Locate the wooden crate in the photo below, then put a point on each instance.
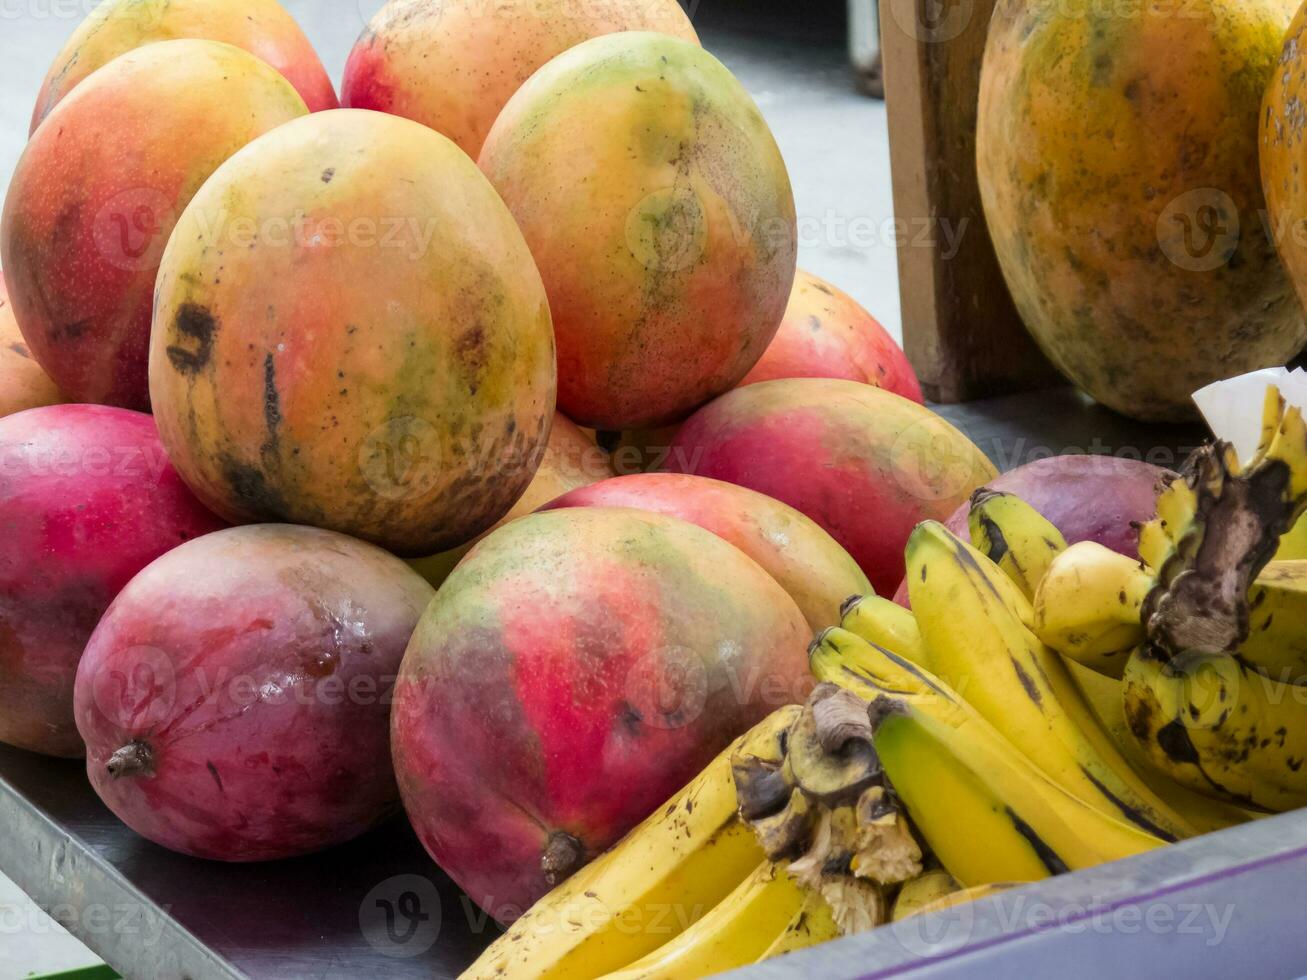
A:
(960, 329)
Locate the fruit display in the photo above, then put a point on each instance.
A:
(23, 383)
(657, 205)
(97, 193)
(1117, 152)
(452, 65)
(87, 499)
(512, 500)
(115, 27)
(826, 334)
(234, 699)
(804, 560)
(401, 371)
(865, 464)
(570, 654)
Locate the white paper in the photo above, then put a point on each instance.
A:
(1233, 408)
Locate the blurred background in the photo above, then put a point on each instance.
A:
(794, 58)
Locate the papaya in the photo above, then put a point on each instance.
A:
(1283, 126)
(1117, 160)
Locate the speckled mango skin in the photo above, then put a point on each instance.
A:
(1283, 152)
(577, 669)
(97, 192)
(114, 27)
(1116, 150)
(863, 463)
(571, 460)
(23, 383)
(87, 499)
(350, 333)
(256, 664)
(453, 64)
(807, 562)
(659, 210)
(826, 334)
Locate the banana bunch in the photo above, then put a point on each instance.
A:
(779, 844)
(1087, 607)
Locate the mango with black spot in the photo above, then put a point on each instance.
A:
(351, 333)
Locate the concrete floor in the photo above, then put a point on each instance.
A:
(792, 60)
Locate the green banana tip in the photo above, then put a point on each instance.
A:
(848, 604)
(819, 640)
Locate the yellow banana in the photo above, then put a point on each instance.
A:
(1293, 546)
(1014, 536)
(1088, 606)
(969, 895)
(1105, 697)
(1014, 830)
(655, 882)
(885, 623)
(1220, 728)
(923, 891)
(879, 675)
(1021, 686)
(736, 932)
(1277, 623)
(814, 923)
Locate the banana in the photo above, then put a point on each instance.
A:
(886, 624)
(742, 928)
(923, 891)
(1293, 546)
(1014, 536)
(969, 895)
(841, 657)
(1105, 698)
(1018, 825)
(662, 876)
(1022, 687)
(814, 923)
(879, 675)
(1088, 606)
(1216, 726)
(1277, 623)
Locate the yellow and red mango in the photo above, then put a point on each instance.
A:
(577, 669)
(806, 561)
(23, 383)
(571, 459)
(452, 64)
(350, 332)
(826, 334)
(87, 499)
(1117, 158)
(98, 190)
(660, 213)
(865, 464)
(235, 698)
(114, 27)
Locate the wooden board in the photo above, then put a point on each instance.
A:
(960, 329)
